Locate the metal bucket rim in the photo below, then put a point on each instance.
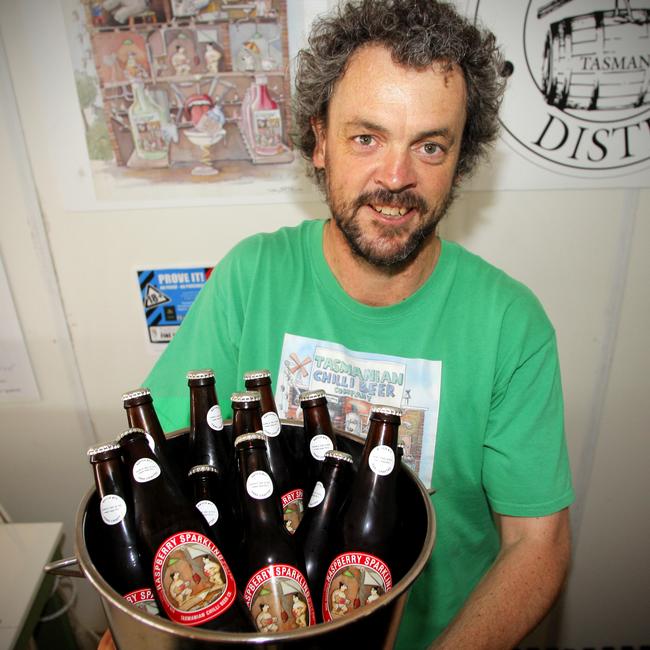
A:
(106, 591)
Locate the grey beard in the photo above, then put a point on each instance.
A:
(389, 263)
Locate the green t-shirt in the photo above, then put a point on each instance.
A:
(470, 357)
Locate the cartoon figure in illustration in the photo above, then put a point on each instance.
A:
(340, 601)
(133, 69)
(180, 61)
(213, 571)
(289, 526)
(265, 621)
(374, 594)
(299, 611)
(179, 589)
(353, 423)
(212, 57)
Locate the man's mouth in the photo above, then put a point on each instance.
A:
(390, 211)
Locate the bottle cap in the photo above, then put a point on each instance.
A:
(247, 437)
(207, 373)
(95, 450)
(131, 432)
(138, 392)
(256, 374)
(385, 410)
(308, 395)
(245, 397)
(339, 455)
(201, 469)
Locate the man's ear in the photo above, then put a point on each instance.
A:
(318, 157)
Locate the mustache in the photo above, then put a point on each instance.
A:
(382, 196)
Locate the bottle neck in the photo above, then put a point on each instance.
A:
(317, 421)
(261, 502)
(202, 399)
(264, 101)
(143, 416)
(247, 420)
(267, 401)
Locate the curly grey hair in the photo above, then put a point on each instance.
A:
(417, 32)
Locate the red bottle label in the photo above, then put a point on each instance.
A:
(143, 599)
(192, 579)
(292, 509)
(352, 581)
(279, 599)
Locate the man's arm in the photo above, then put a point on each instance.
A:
(519, 589)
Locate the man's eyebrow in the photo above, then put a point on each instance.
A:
(367, 125)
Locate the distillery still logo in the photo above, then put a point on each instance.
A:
(578, 97)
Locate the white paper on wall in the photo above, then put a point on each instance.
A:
(576, 113)
(17, 382)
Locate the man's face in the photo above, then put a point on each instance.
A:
(389, 151)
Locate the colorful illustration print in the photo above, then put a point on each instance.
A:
(292, 509)
(192, 579)
(143, 599)
(353, 581)
(279, 599)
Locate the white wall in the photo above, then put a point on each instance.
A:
(72, 275)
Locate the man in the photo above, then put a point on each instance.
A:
(395, 103)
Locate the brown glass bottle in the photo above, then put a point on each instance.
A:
(361, 569)
(317, 533)
(141, 414)
(276, 591)
(207, 443)
(211, 495)
(287, 478)
(119, 559)
(319, 435)
(192, 580)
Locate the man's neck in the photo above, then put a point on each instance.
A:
(369, 284)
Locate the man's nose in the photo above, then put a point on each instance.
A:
(396, 171)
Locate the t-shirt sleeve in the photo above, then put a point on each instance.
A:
(525, 462)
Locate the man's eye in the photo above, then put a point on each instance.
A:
(430, 148)
(365, 140)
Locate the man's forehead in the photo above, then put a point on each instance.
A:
(373, 83)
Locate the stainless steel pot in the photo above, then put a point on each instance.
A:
(373, 626)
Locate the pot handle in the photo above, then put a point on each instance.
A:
(64, 567)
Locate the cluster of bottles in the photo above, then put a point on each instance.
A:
(218, 536)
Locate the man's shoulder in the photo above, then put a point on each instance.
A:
(283, 240)
(491, 288)
(474, 269)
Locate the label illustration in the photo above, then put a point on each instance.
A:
(214, 418)
(319, 444)
(317, 495)
(192, 579)
(292, 509)
(209, 510)
(112, 509)
(352, 581)
(259, 485)
(145, 470)
(143, 599)
(279, 599)
(271, 424)
(381, 460)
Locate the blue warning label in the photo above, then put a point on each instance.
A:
(167, 295)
